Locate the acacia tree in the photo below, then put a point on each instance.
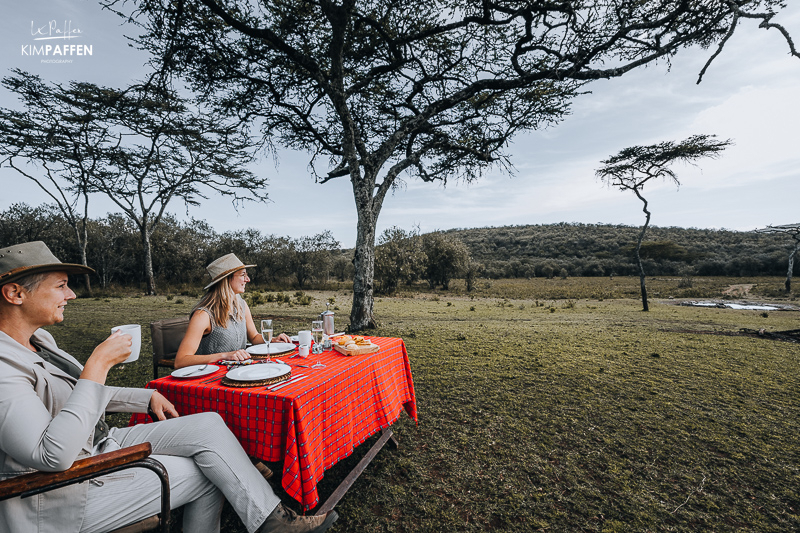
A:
(54, 143)
(433, 89)
(633, 167)
(793, 230)
(142, 147)
(167, 149)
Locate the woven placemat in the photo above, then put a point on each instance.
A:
(271, 381)
(273, 354)
(234, 364)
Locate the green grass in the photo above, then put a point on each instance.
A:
(546, 414)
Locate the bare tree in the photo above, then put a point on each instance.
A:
(633, 167)
(434, 89)
(793, 230)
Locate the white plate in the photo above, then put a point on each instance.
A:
(258, 372)
(194, 371)
(295, 338)
(274, 348)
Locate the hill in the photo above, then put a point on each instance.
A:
(605, 249)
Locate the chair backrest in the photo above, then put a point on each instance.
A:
(167, 335)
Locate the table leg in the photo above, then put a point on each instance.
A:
(345, 485)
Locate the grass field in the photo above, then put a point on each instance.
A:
(558, 405)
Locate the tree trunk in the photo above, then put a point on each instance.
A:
(82, 239)
(86, 281)
(645, 306)
(361, 315)
(148, 261)
(788, 283)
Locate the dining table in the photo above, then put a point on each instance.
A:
(313, 420)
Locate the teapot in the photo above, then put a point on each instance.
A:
(327, 324)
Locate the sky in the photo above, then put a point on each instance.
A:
(750, 95)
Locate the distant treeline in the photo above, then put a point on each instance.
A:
(181, 250)
(604, 250)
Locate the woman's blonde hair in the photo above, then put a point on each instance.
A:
(221, 302)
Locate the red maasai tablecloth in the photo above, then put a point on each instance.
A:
(311, 424)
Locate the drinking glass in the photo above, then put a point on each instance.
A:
(266, 334)
(316, 334)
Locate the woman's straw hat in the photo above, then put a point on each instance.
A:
(20, 260)
(225, 265)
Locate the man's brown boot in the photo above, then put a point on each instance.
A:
(284, 520)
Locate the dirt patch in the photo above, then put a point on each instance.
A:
(788, 336)
(739, 291)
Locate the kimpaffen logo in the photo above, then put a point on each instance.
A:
(55, 48)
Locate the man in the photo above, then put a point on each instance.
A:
(51, 413)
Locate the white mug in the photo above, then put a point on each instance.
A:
(302, 350)
(135, 331)
(304, 337)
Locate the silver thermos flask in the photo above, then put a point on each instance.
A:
(327, 327)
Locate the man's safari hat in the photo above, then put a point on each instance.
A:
(21, 260)
(224, 266)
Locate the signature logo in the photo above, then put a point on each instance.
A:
(52, 30)
(55, 53)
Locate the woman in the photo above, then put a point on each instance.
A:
(52, 409)
(221, 323)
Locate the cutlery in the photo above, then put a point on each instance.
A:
(196, 370)
(285, 383)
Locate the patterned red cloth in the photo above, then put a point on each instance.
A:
(314, 423)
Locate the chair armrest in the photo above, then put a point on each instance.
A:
(82, 468)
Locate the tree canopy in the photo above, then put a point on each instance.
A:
(436, 89)
(142, 147)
